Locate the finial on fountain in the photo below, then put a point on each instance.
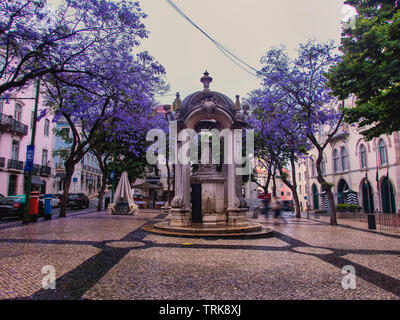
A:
(206, 80)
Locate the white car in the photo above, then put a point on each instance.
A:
(54, 201)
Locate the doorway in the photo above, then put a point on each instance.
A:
(368, 198)
(197, 216)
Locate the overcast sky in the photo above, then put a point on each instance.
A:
(248, 28)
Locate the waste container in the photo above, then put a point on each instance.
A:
(371, 221)
(47, 207)
(34, 206)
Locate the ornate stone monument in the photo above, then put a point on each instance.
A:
(208, 200)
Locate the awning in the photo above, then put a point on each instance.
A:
(37, 181)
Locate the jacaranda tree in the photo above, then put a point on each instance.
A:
(280, 139)
(35, 41)
(296, 103)
(115, 93)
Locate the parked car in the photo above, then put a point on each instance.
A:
(55, 202)
(79, 200)
(141, 201)
(287, 205)
(12, 206)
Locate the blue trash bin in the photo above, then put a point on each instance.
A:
(47, 207)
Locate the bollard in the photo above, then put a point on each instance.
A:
(34, 206)
(371, 221)
(47, 207)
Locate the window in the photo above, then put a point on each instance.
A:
(1, 104)
(18, 112)
(323, 167)
(336, 165)
(299, 176)
(344, 156)
(312, 168)
(282, 193)
(289, 194)
(65, 132)
(46, 127)
(300, 190)
(363, 156)
(382, 152)
(14, 150)
(44, 157)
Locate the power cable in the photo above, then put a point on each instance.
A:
(224, 50)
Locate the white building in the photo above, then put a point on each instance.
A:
(357, 169)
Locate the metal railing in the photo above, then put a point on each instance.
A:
(387, 221)
(15, 164)
(45, 170)
(8, 123)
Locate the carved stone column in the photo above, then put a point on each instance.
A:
(236, 214)
(180, 211)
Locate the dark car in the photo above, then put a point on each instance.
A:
(77, 200)
(12, 206)
(287, 205)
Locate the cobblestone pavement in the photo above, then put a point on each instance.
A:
(99, 256)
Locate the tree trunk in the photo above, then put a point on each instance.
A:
(274, 184)
(101, 192)
(332, 209)
(69, 171)
(294, 184)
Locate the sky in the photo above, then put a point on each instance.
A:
(248, 28)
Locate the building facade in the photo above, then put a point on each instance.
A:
(87, 174)
(16, 122)
(364, 173)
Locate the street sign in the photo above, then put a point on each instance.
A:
(74, 179)
(30, 153)
(305, 197)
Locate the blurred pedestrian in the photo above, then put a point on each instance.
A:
(265, 207)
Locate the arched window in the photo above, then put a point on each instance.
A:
(363, 156)
(323, 166)
(18, 112)
(344, 157)
(312, 168)
(46, 127)
(382, 152)
(336, 165)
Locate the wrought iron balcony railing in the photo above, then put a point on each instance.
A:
(7, 123)
(15, 164)
(45, 170)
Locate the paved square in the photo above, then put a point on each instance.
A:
(98, 256)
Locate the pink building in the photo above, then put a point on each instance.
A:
(16, 119)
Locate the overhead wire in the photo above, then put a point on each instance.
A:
(223, 49)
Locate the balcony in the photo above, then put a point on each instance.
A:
(35, 169)
(15, 165)
(2, 162)
(342, 133)
(7, 123)
(45, 171)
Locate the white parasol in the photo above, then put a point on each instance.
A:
(123, 193)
